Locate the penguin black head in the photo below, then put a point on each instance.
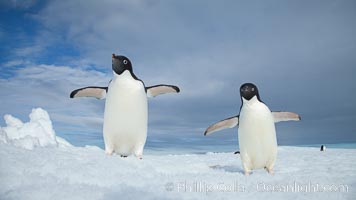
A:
(120, 64)
(248, 91)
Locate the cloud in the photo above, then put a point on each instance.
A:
(300, 54)
(14, 63)
(48, 86)
(18, 4)
(29, 51)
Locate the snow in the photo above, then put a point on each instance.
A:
(38, 132)
(36, 164)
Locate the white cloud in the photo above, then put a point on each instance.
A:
(49, 86)
(18, 4)
(29, 50)
(14, 63)
(206, 48)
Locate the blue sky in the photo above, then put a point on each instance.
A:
(301, 55)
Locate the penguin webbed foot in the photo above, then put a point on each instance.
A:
(270, 171)
(139, 157)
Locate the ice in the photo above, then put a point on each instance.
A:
(34, 165)
(38, 132)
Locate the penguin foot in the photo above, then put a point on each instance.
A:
(109, 153)
(270, 171)
(138, 155)
(247, 173)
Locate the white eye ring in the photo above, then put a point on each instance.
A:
(125, 62)
(253, 89)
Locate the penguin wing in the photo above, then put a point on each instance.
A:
(155, 90)
(285, 116)
(223, 124)
(91, 91)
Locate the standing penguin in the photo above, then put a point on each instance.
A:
(323, 148)
(256, 131)
(126, 110)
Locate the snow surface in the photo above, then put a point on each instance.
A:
(35, 164)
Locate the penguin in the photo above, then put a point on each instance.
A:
(256, 130)
(237, 152)
(323, 148)
(126, 108)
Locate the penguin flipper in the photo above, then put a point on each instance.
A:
(285, 116)
(223, 124)
(91, 91)
(155, 90)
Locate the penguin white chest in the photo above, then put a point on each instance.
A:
(125, 116)
(257, 135)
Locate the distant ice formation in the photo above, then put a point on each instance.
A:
(38, 132)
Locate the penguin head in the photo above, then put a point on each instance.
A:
(120, 64)
(248, 91)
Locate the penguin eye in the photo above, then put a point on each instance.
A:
(125, 62)
(252, 89)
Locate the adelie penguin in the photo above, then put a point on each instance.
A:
(126, 109)
(256, 130)
(322, 148)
